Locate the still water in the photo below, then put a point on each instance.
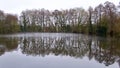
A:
(58, 50)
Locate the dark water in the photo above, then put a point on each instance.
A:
(58, 50)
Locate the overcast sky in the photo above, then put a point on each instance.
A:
(16, 6)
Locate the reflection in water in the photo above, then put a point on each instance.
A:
(8, 44)
(103, 50)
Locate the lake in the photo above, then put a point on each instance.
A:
(58, 50)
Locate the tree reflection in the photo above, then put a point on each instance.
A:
(103, 50)
(74, 46)
(8, 44)
(108, 51)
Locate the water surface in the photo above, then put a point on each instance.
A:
(58, 50)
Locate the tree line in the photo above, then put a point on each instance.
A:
(103, 20)
(8, 23)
